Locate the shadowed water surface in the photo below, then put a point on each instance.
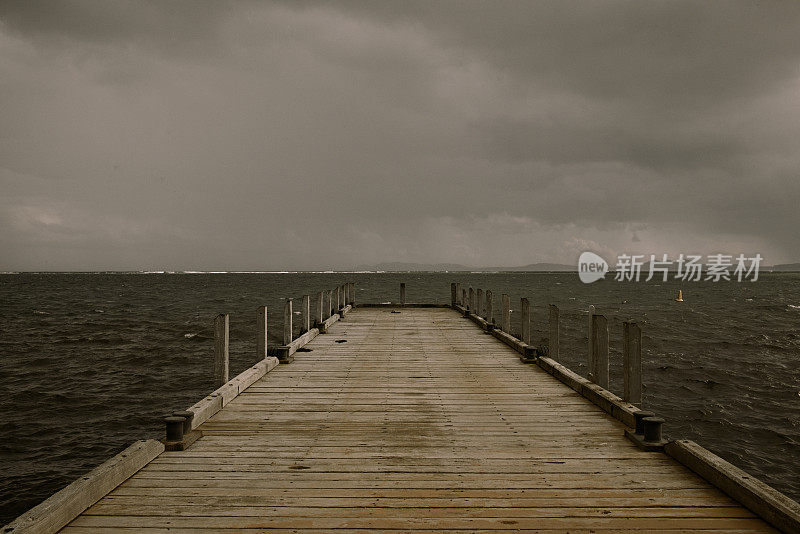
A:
(92, 362)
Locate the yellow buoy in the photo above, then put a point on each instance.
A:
(680, 296)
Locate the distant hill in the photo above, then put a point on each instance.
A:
(451, 267)
(784, 267)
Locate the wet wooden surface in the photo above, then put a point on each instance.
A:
(417, 421)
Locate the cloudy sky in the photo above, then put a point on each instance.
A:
(315, 135)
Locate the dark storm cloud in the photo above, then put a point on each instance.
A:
(314, 134)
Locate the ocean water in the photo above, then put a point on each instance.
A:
(91, 362)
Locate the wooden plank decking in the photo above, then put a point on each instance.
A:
(419, 421)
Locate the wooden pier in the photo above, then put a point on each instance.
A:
(412, 419)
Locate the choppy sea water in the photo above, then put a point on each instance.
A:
(91, 362)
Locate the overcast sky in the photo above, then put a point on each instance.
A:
(315, 135)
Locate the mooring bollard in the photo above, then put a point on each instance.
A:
(525, 316)
(638, 418)
(261, 336)
(489, 307)
(479, 303)
(552, 340)
(591, 364)
(631, 362)
(174, 428)
(505, 318)
(187, 419)
(652, 429)
(599, 337)
(221, 343)
(402, 294)
(287, 322)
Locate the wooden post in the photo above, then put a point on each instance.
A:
(287, 322)
(344, 296)
(505, 310)
(525, 312)
(453, 294)
(600, 350)
(631, 363)
(329, 302)
(553, 335)
(471, 299)
(489, 307)
(319, 310)
(402, 294)
(221, 343)
(458, 294)
(352, 293)
(305, 308)
(464, 297)
(590, 362)
(261, 340)
(338, 291)
(479, 303)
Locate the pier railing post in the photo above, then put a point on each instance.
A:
(471, 299)
(329, 302)
(464, 297)
(453, 298)
(599, 337)
(489, 307)
(221, 344)
(552, 321)
(479, 303)
(352, 293)
(319, 309)
(525, 316)
(344, 296)
(305, 308)
(338, 291)
(590, 361)
(261, 340)
(458, 293)
(402, 294)
(505, 318)
(287, 322)
(631, 363)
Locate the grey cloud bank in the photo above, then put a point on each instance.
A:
(249, 135)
